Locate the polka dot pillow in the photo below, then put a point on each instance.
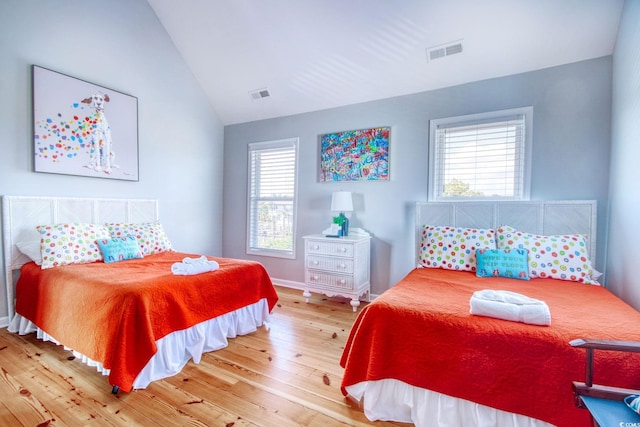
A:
(561, 257)
(151, 236)
(73, 243)
(453, 248)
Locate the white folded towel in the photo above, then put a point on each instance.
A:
(190, 266)
(510, 306)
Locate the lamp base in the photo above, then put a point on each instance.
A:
(344, 228)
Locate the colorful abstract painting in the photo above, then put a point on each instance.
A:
(83, 129)
(356, 155)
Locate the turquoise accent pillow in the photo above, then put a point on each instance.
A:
(502, 263)
(120, 249)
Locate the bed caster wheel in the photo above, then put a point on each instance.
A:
(115, 389)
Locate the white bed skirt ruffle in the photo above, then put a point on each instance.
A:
(175, 349)
(393, 400)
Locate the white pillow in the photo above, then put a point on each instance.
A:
(31, 248)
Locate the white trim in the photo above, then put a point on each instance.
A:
(288, 283)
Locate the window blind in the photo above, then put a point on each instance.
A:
(481, 159)
(272, 189)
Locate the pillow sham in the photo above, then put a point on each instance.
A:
(72, 243)
(150, 235)
(561, 257)
(31, 249)
(29, 244)
(453, 248)
(119, 249)
(508, 263)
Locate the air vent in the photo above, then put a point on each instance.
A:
(259, 94)
(441, 51)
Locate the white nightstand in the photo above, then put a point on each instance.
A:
(338, 266)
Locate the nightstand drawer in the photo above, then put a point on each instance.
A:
(330, 248)
(336, 265)
(318, 278)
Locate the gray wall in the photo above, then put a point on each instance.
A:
(623, 251)
(571, 143)
(121, 45)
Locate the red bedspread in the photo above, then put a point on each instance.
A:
(114, 313)
(420, 332)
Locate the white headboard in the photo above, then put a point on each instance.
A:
(21, 214)
(537, 217)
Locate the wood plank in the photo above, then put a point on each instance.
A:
(18, 405)
(194, 405)
(284, 375)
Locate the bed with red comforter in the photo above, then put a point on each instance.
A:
(116, 313)
(421, 334)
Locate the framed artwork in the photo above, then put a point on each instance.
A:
(355, 155)
(80, 128)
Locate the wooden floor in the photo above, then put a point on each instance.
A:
(288, 375)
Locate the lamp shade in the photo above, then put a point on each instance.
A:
(341, 201)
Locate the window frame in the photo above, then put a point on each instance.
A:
(435, 163)
(264, 147)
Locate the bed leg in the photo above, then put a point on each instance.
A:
(115, 389)
(358, 404)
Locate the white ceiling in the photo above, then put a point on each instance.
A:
(318, 54)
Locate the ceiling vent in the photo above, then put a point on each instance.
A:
(259, 94)
(441, 51)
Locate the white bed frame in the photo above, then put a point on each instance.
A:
(21, 214)
(536, 217)
(389, 399)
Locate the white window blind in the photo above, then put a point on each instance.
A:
(272, 198)
(481, 156)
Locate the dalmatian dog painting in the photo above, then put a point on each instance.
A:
(101, 149)
(72, 135)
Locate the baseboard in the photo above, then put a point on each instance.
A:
(288, 283)
(4, 321)
(300, 285)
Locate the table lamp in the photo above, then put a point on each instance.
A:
(342, 202)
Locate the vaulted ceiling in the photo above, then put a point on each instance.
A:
(308, 55)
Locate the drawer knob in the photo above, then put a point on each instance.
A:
(343, 266)
(316, 247)
(315, 262)
(342, 281)
(316, 277)
(343, 249)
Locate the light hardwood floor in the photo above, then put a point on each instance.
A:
(288, 375)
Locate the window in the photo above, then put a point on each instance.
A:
(481, 156)
(271, 216)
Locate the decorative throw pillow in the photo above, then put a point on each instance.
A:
(73, 243)
(453, 248)
(502, 263)
(561, 257)
(120, 249)
(151, 236)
